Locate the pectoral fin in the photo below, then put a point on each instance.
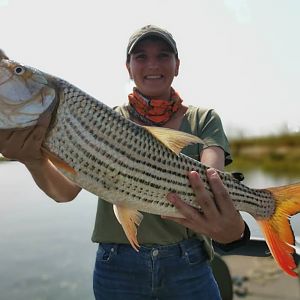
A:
(59, 163)
(173, 139)
(130, 219)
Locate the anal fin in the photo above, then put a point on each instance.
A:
(130, 219)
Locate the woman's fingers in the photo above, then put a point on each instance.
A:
(186, 210)
(5, 134)
(192, 218)
(11, 144)
(25, 144)
(202, 196)
(221, 195)
(218, 217)
(44, 119)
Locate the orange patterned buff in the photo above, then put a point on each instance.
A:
(153, 112)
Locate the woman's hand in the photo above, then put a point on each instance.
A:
(24, 145)
(219, 219)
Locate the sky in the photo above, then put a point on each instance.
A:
(240, 57)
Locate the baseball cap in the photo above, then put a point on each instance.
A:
(151, 30)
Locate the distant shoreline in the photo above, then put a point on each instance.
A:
(273, 154)
(3, 158)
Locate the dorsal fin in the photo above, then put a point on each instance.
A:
(173, 139)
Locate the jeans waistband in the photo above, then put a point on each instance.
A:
(179, 249)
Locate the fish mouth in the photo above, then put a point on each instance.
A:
(25, 94)
(3, 55)
(5, 75)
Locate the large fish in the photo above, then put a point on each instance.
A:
(131, 166)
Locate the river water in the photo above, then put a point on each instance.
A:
(45, 248)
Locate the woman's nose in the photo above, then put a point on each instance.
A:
(153, 63)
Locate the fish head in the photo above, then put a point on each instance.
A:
(25, 94)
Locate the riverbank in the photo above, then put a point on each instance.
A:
(273, 154)
(259, 278)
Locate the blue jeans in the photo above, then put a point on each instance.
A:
(178, 272)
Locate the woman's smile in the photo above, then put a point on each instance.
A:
(153, 67)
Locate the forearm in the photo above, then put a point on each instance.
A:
(51, 181)
(213, 157)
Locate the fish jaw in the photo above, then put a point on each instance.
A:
(24, 95)
(3, 55)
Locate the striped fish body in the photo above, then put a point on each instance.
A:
(125, 164)
(131, 166)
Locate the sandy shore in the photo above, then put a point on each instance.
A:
(263, 279)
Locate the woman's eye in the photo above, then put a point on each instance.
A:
(141, 56)
(19, 70)
(164, 55)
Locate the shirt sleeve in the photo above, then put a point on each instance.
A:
(210, 130)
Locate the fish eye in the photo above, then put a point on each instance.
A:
(19, 70)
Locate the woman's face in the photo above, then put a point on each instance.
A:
(152, 66)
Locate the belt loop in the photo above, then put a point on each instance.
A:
(182, 248)
(115, 248)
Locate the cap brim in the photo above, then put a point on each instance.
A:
(148, 34)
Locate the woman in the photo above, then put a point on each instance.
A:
(173, 259)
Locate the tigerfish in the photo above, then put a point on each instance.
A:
(131, 166)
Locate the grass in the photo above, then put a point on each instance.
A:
(273, 154)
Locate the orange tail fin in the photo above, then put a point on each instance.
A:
(278, 231)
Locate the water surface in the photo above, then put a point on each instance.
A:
(45, 247)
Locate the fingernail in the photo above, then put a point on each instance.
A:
(171, 197)
(211, 172)
(193, 174)
(44, 119)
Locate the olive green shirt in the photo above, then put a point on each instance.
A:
(204, 123)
